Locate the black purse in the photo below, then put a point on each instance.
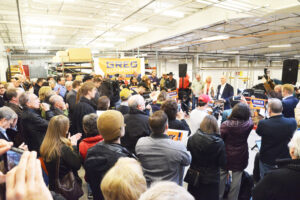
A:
(69, 187)
(192, 177)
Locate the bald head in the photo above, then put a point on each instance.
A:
(274, 106)
(223, 80)
(198, 77)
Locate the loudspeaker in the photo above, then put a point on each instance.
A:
(182, 70)
(290, 71)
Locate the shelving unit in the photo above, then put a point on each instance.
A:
(75, 68)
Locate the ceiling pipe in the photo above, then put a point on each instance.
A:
(20, 23)
(124, 19)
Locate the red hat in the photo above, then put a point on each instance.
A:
(204, 98)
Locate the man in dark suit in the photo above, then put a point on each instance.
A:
(224, 92)
(71, 96)
(275, 132)
(289, 102)
(7, 118)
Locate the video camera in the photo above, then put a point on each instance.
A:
(266, 74)
(217, 108)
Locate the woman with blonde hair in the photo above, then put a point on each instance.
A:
(56, 147)
(162, 97)
(43, 91)
(126, 186)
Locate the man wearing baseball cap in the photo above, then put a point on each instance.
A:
(105, 154)
(125, 94)
(198, 114)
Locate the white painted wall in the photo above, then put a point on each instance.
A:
(3, 62)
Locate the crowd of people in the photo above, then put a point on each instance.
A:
(117, 130)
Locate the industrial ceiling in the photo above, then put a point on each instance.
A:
(269, 28)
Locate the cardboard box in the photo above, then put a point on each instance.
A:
(61, 54)
(59, 59)
(80, 54)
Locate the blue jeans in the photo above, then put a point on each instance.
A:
(194, 102)
(265, 168)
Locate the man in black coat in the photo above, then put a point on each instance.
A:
(71, 96)
(224, 92)
(58, 106)
(282, 183)
(34, 127)
(101, 157)
(171, 83)
(275, 133)
(136, 121)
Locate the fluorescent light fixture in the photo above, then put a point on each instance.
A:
(173, 13)
(276, 61)
(115, 39)
(139, 29)
(170, 48)
(217, 37)
(280, 46)
(204, 2)
(223, 60)
(36, 37)
(273, 54)
(210, 61)
(108, 45)
(95, 51)
(297, 56)
(38, 51)
(231, 52)
(42, 22)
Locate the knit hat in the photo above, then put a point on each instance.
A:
(125, 93)
(109, 124)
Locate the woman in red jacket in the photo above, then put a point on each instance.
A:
(92, 136)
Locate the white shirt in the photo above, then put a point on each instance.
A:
(196, 117)
(221, 91)
(287, 97)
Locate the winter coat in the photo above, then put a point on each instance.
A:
(280, 184)
(235, 134)
(82, 108)
(69, 161)
(208, 153)
(99, 159)
(34, 128)
(87, 143)
(137, 126)
(179, 125)
(276, 132)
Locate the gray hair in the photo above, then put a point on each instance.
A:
(295, 143)
(275, 105)
(54, 98)
(166, 190)
(69, 83)
(7, 113)
(89, 123)
(24, 98)
(135, 101)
